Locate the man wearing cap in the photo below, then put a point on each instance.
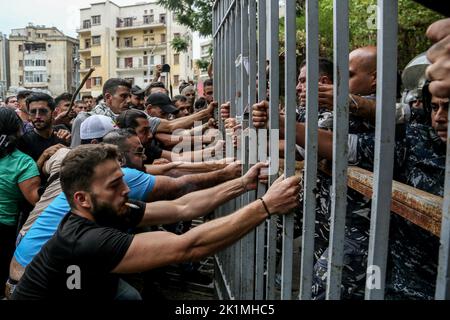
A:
(159, 105)
(95, 127)
(137, 98)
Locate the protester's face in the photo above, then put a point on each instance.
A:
(80, 107)
(190, 95)
(89, 103)
(184, 108)
(63, 106)
(439, 116)
(119, 101)
(137, 101)
(157, 112)
(13, 103)
(40, 115)
(301, 85)
(135, 156)
(208, 93)
(108, 193)
(361, 80)
(143, 130)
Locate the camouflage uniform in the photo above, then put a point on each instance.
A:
(414, 251)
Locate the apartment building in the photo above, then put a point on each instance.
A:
(4, 66)
(128, 42)
(43, 58)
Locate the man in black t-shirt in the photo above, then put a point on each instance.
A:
(90, 249)
(45, 139)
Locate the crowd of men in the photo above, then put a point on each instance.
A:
(96, 195)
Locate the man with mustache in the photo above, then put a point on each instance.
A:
(45, 139)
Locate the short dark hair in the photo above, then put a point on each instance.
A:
(128, 118)
(152, 85)
(98, 99)
(24, 94)
(87, 97)
(39, 96)
(200, 103)
(119, 138)
(78, 167)
(63, 97)
(112, 84)
(325, 67)
(10, 124)
(179, 98)
(208, 83)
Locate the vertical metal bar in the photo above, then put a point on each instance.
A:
(245, 242)
(262, 148)
(238, 110)
(289, 144)
(340, 149)
(443, 276)
(309, 205)
(273, 45)
(384, 144)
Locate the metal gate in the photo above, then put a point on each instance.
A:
(245, 39)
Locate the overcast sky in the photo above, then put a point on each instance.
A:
(63, 14)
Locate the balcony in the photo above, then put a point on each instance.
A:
(123, 66)
(84, 30)
(139, 25)
(148, 45)
(84, 50)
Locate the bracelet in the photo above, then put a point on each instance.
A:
(265, 207)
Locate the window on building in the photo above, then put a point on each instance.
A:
(97, 81)
(152, 60)
(176, 79)
(176, 58)
(35, 76)
(86, 24)
(20, 48)
(29, 63)
(96, 20)
(145, 73)
(87, 63)
(128, 62)
(163, 59)
(128, 22)
(20, 63)
(96, 61)
(162, 18)
(128, 42)
(40, 63)
(163, 37)
(149, 19)
(96, 40)
(145, 60)
(21, 79)
(87, 43)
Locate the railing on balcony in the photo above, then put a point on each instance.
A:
(128, 24)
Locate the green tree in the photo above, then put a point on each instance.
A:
(202, 64)
(194, 14)
(179, 44)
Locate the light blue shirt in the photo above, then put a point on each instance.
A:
(45, 226)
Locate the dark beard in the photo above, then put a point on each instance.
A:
(105, 215)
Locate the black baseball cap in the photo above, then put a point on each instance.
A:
(137, 91)
(163, 101)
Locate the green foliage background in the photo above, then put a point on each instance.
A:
(413, 22)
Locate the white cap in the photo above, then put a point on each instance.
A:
(96, 126)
